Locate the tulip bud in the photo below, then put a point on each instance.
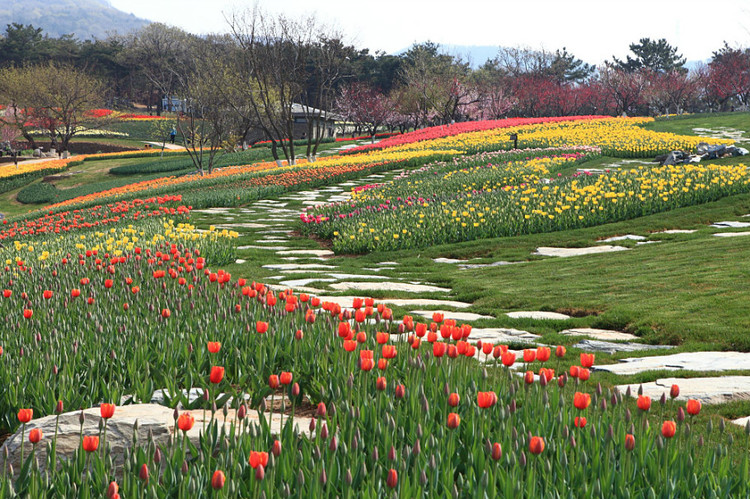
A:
(680, 414)
(242, 412)
(522, 459)
(417, 449)
(375, 454)
(348, 477)
(323, 477)
(59, 407)
(157, 456)
(81, 417)
(295, 390)
(184, 468)
(260, 473)
(334, 444)
(663, 399)
(143, 474)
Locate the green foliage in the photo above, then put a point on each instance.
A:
(654, 55)
(41, 192)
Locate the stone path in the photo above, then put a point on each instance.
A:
(715, 390)
(567, 252)
(693, 361)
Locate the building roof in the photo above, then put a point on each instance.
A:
(301, 110)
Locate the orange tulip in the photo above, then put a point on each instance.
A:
(217, 481)
(579, 422)
(185, 422)
(389, 351)
(35, 435)
(350, 345)
(382, 338)
(536, 445)
(693, 407)
(674, 392)
(529, 377)
(214, 346)
(497, 451)
(560, 351)
(261, 327)
(453, 420)
(587, 359)
(286, 378)
(381, 384)
(166, 313)
(509, 358)
(486, 399)
(668, 429)
(258, 459)
(453, 399)
(543, 354)
(107, 410)
(583, 374)
(217, 374)
(25, 415)
(629, 442)
(90, 443)
(644, 402)
(529, 355)
(27, 313)
(581, 400)
(273, 381)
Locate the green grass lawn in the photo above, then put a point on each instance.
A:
(686, 124)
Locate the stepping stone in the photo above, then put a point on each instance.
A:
(448, 260)
(627, 237)
(358, 276)
(276, 204)
(298, 266)
(304, 271)
(731, 225)
(732, 234)
(742, 421)
(714, 390)
(646, 242)
(267, 248)
(502, 336)
(378, 269)
(299, 289)
(387, 263)
(600, 334)
(242, 226)
(388, 286)
(677, 231)
(306, 252)
(693, 361)
(484, 265)
(456, 316)
(346, 301)
(566, 252)
(609, 347)
(271, 241)
(240, 261)
(212, 211)
(295, 283)
(539, 316)
(298, 258)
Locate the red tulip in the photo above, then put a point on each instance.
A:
(583, 374)
(25, 415)
(629, 442)
(321, 410)
(7, 293)
(674, 392)
(381, 384)
(497, 451)
(529, 355)
(693, 407)
(113, 490)
(453, 399)
(529, 377)
(90, 443)
(258, 459)
(35, 435)
(437, 317)
(644, 402)
(560, 351)
(581, 400)
(389, 351)
(185, 422)
(392, 479)
(400, 391)
(509, 358)
(214, 346)
(587, 359)
(273, 381)
(536, 445)
(261, 327)
(143, 474)
(217, 481)
(285, 378)
(166, 313)
(579, 422)
(453, 420)
(217, 374)
(486, 399)
(543, 354)
(438, 349)
(107, 410)
(47, 294)
(27, 313)
(668, 429)
(366, 364)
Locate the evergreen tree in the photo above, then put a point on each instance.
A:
(654, 55)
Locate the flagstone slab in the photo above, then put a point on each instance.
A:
(732, 234)
(568, 252)
(298, 266)
(502, 335)
(710, 390)
(677, 231)
(611, 347)
(388, 286)
(387, 263)
(448, 260)
(256, 247)
(295, 283)
(538, 315)
(306, 252)
(626, 237)
(299, 289)
(466, 266)
(600, 334)
(731, 225)
(693, 361)
(359, 276)
(448, 315)
(244, 225)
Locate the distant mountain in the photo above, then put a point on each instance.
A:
(85, 19)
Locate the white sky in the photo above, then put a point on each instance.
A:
(593, 30)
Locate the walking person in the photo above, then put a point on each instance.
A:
(172, 135)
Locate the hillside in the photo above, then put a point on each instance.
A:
(85, 19)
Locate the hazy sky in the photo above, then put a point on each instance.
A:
(593, 30)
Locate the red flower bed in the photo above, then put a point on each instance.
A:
(437, 132)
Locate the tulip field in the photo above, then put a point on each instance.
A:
(120, 297)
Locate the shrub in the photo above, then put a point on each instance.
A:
(38, 193)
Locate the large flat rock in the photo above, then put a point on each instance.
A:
(677, 231)
(306, 252)
(298, 266)
(693, 361)
(626, 237)
(731, 225)
(599, 334)
(732, 234)
(610, 347)
(346, 302)
(450, 315)
(388, 286)
(152, 418)
(502, 335)
(538, 315)
(567, 252)
(467, 266)
(714, 390)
